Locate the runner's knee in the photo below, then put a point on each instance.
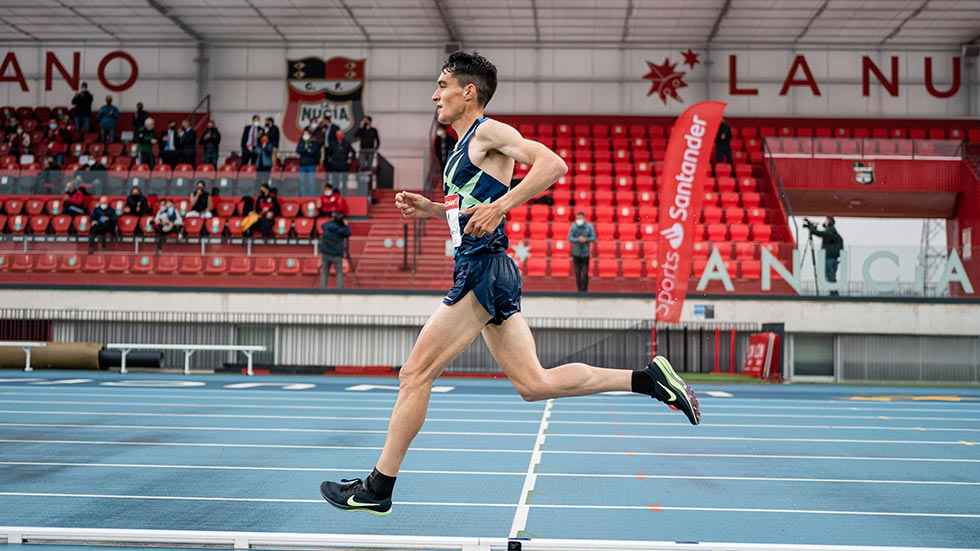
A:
(413, 375)
(534, 388)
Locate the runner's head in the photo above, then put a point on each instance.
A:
(467, 81)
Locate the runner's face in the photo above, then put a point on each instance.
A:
(448, 98)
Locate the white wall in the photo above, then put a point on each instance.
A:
(400, 82)
(839, 317)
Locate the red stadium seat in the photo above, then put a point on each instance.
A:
(70, 263)
(167, 264)
(214, 226)
(729, 199)
(606, 249)
(760, 233)
(711, 215)
(290, 209)
(60, 225)
(516, 230)
(264, 265)
(234, 226)
(117, 264)
(744, 251)
(143, 264)
(608, 268)
(605, 230)
(519, 214)
(751, 200)
(303, 227)
(750, 269)
(94, 263)
(726, 184)
(717, 232)
(537, 230)
(701, 249)
(630, 249)
(21, 263)
(311, 265)
(562, 213)
(82, 225)
(17, 225)
(648, 231)
(560, 247)
(216, 265)
(734, 215)
(46, 263)
(628, 230)
(756, 215)
(605, 213)
(193, 226)
(191, 265)
(537, 267)
(39, 224)
(34, 207)
(632, 268)
(739, 232)
(126, 225)
(240, 265)
(540, 213)
(280, 230)
(561, 267)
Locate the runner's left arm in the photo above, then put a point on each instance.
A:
(546, 168)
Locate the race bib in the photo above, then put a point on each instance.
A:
(452, 216)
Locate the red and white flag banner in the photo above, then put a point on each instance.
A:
(686, 166)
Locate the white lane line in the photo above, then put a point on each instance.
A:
(245, 416)
(253, 429)
(719, 394)
(520, 515)
(688, 455)
(502, 505)
(130, 414)
(773, 415)
(770, 439)
(212, 404)
(260, 446)
(640, 406)
(630, 476)
(472, 433)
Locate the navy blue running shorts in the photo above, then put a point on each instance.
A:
(493, 278)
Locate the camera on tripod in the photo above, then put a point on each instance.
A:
(808, 224)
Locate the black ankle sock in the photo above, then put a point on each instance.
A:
(380, 484)
(642, 383)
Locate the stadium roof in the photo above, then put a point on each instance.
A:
(878, 23)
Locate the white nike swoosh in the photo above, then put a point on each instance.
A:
(673, 397)
(354, 503)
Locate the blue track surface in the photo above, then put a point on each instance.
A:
(769, 464)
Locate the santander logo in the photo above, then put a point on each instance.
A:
(674, 235)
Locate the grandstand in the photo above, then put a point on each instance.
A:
(839, 391)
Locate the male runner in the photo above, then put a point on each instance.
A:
(486, 294)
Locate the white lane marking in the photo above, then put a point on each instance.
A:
(569, 405)
(719, 394)
(520, 515)
(364, 388)
(631, 476)
(212, 404)
(260, 446)
(504, 505)
(766, 439)
(768, 456)
(129, 413)
(254, 429)
(470, 433)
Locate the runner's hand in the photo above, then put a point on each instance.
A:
(412, 205)
(483, 219)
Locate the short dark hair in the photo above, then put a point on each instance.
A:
(473, 68)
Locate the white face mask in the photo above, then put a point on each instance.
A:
(328, 192)
(256, 123)
(306, 136)
(53, 125)
(580, 222)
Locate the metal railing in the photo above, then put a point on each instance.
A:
(862, 148)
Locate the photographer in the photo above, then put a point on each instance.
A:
(832, 245)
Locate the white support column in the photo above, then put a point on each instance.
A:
(187, 361)
(248, 354)
(27, 359)
(122, 363)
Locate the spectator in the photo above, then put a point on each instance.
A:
(187, 143)
(332, 201)
(250, 141)
(264, 159)
(832, 245)
(20, 143)
(200, 201)
(11, 126)
(324, 133)
(370, 142)
(272, 131)
(723, 143)
(136, 203)
(167, 222)
(581, 235)
(58, 140)
(144, 139)
(75, 199)
(211, 139)
(215, 201)
(81, 106)
(333, 245)
(444, 145)
(267, 208)
(103, 224)
(169, 154)
(309, 156)
(139, 119)
(108, 119)
(339, 156)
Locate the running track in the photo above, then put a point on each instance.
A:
(770, 464)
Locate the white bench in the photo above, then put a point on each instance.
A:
(27, 346)
(189, 350)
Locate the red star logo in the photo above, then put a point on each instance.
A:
(691, 58)
(665, 80)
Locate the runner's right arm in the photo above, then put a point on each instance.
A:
(413, 205)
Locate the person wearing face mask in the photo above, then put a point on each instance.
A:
(211, 140)
(264, 159)
(272, 131)
(187, 143)
(144, 138)
(309, 155)
(58, 139)
(200, 201)
(581, 235)
(339, 157)
(108, 117)
(167, 222)
(103, 223)
(139, 118)
(74, 199)
(250, 141)
(168, 154)
(136, 203)
(81, 106)
(332, 201)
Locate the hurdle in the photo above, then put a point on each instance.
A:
(188, 349)
(27, 346)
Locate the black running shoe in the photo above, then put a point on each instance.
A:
(351, 494)
(670, 389)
